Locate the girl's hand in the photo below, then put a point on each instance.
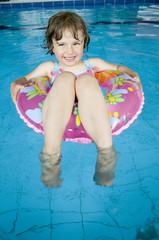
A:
(136, 77)
(130, 72)
(15, 88)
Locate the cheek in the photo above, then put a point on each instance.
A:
(79, 50)
(59, 55)
(57, 52)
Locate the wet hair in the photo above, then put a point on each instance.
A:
(59, 23)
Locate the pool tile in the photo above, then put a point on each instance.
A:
(69, 231)
(47, 4)
(36, 232)
(27, 5)
(99, 230)
(58, 4)
(66, 217)
(79, 3)
(30, 221)
(37, 4)
(64, 203)
(129, 1)
(71, 4)
(139, 1)
(107, 2)
(17, 5)
(99, 2)
(119, 1)
(6, 6)
(68, 4)
(7, 219)
(89, 2)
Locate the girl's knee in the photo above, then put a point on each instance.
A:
(64, 86)
(86, 83)
(65, 79)
(64, 83)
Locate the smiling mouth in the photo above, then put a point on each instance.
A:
(69, 59)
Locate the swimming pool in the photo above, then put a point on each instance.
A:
(80, 209)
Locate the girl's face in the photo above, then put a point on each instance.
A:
(69, 50)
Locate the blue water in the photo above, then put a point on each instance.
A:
(81, 210)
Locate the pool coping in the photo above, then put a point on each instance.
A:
(19, 4)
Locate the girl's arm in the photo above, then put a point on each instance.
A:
(131, 73)
(103, 65)
(16, 86)
(43, 69)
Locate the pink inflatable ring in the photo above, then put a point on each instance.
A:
(122, 94)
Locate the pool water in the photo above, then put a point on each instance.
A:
(81, 210)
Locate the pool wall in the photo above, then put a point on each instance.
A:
(69, 4)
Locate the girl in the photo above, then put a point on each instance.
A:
(73, 80)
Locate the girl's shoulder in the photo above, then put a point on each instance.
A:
(101, 64)
(45, 68)
(94, 61)
(49, 64)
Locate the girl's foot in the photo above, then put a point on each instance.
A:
(105, 166)
(50, 169)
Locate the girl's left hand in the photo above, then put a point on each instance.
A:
(131, 73)
(136, 77)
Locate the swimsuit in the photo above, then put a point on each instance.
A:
(56, 71)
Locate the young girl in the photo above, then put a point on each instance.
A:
(73, 80)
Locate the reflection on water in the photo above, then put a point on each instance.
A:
(80, 209)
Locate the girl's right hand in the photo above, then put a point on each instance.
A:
(15, 88)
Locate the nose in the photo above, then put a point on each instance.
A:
(69, 49)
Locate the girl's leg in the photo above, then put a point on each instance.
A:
(93, 110)
(57, 110)
(105, 166)
(94, 117)
(56, 113)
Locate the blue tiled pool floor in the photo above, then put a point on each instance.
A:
(81, 210)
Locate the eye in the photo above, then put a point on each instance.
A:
(76, 43)
(60, 44)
